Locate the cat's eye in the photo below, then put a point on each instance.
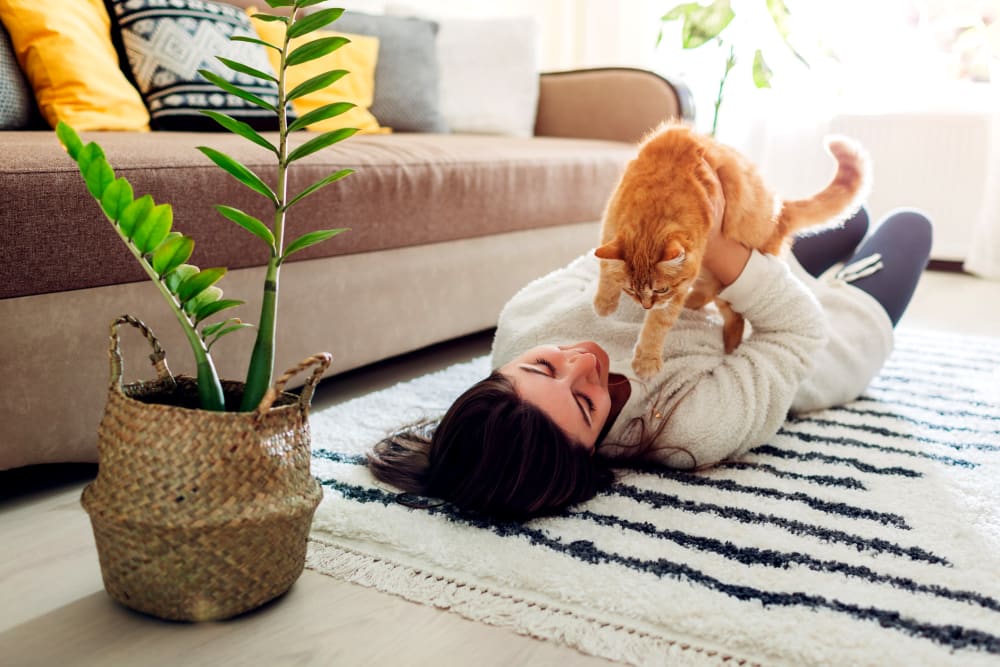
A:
(662, 290)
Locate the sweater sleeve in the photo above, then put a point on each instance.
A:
(739, 400)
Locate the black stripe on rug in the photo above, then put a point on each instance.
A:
(853, 442)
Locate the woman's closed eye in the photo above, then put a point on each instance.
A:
(545, 363)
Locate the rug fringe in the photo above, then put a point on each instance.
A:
(588, 635)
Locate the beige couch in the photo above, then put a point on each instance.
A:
(444, 229)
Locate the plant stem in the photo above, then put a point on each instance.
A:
(210, 392)
(261, 367)
(730, 63)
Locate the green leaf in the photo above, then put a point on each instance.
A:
(280, 3)
(240, 128)
(779, 14)
(761, 72)
(69, 138)
(270, 18)
(236, 90)
(319, 184)
(212, 308)
(99, 175)
(208, 295)
(194, 285)
(316, 83)
(227, 330)
(249, 223)
(210, 329)
(322, 113)
(782, 21)
(172, 253)
(151, 232)
(88, 154)
(315, 49)
(174, 279)
(320, 142)
(680, 11)
(705, 23)
(310, 239)
(246, 69)
(254, 40)
(302, 4)
(239, 172)
(134, 214)
(116, 197)
(313, 21)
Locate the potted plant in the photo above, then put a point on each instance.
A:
(203, 501)
(705, 23)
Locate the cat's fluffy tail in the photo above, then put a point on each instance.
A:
(839, 200)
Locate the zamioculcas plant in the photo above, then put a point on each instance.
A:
(145, 227)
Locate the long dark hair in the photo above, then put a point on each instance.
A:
(495, 453)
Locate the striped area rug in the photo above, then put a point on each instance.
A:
(863, 535)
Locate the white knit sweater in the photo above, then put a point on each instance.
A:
(811, 344)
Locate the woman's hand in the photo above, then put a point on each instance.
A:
(724, 257)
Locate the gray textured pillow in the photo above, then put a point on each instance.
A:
(16, 98)
(406, 74)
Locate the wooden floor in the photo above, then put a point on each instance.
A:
(54, 611)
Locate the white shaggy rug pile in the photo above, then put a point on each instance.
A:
(863, 535)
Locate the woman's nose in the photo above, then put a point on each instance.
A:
(582, 363)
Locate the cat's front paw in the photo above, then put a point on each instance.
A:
(605, 305)
(646, 366)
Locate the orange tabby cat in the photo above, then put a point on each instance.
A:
(658, 219)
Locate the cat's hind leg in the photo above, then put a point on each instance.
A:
(703, 291)
(732, 325)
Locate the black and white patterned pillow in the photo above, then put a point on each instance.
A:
(166, 42)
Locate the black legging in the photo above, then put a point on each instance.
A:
(903, 239)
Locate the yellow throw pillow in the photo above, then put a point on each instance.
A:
(64, 48)
(358, 58)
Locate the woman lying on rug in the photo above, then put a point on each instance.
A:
(544, 430)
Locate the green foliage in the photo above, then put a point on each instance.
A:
(703, 24)
(146, 227)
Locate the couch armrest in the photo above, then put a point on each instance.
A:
(613, 103)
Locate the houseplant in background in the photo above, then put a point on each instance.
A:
(201, 513)
(712, 23)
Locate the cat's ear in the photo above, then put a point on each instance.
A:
(610, 250)
(673, 252)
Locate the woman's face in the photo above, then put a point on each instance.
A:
(569, 383)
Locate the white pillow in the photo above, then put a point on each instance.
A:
(489, 72)
(489, 75)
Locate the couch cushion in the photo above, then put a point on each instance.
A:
(358, 57)
(166, 46)
(16, 100)
(407, 77)
(408, 189)
(51, 40)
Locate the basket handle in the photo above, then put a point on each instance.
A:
(158, 357)
(321, 361)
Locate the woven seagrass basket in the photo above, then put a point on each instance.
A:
(200, 515)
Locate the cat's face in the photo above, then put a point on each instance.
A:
(651, 285)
